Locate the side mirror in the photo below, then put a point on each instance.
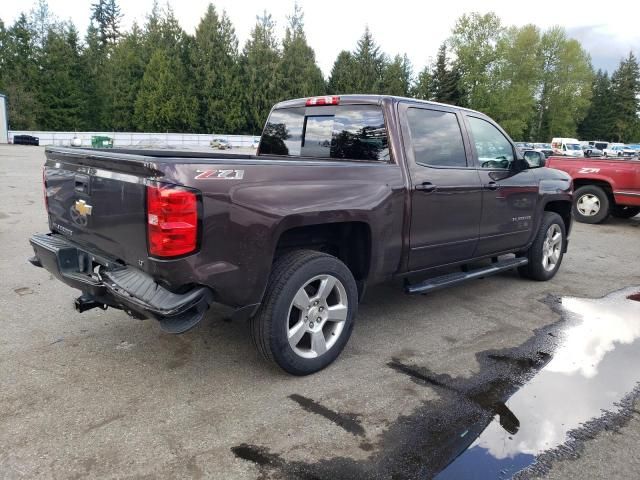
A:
(535, 159)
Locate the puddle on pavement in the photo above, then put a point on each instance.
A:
(526, 407)
(592, 370)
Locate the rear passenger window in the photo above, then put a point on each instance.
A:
(355, 132)
(493, 148)
(436, 138)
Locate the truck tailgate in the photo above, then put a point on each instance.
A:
(99, 201)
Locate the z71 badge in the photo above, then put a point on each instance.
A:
(219, 174)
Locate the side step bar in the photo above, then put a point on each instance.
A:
(450, 279)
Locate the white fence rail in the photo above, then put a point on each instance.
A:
(137, 139)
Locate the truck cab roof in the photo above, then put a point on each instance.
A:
(371, 99)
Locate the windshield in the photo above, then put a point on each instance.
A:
(573, 146)
(542, 145)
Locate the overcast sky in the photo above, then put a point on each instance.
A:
(607, 30)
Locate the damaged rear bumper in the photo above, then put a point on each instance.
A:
(104, 282)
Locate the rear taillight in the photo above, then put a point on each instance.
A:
(172, 220)
(328, 100)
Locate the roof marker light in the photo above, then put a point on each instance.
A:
(327, 100)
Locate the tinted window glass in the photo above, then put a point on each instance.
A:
(436, 138)
(359, 132)
(283, 132)
(352, 131)
(494, 150)
(317, 136)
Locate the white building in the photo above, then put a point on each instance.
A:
(4, 120)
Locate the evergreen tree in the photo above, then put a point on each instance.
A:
(343, 75)
(301, 76)
(260, 59)
(20, 77)
(599, 121)
(625, 89)
(423, 89)
(61, 91)
(163, 103)
(444, 79)
(122, 77)
(396, 77)
(217, 75)
(113, 16)
(369, 64)
(41, 20)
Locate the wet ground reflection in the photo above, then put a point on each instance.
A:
(592, 369)
(525, 407)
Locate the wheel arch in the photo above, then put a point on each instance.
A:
(350, 241)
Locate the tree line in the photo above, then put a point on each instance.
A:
(156, 77)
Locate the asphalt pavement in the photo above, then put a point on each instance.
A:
(101, 395)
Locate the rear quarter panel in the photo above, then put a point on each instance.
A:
(243, 218)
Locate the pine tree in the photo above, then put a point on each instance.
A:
(260, 59)
(343, 75)
(62, 94)
(112, 17)
(217, 75)
(599, 121)
(423, 89)
(396, 77)
(163, 103)
(369, 64)
(122, 78)
(20, 76)
(625, 88)
(301, 76)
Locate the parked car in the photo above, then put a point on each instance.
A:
(602, 187)
(619, 150)
(291, 237)
(590, 151)
(544, 148)
(26, 140)
(220, 144)
(568, 147)
(635, 147)
(599, 144)
(522, 146)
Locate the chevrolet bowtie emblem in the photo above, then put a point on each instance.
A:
(82, 208)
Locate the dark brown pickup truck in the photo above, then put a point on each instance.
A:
(344, 192)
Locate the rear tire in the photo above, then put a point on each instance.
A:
(591, 204)
(622, 211)
(547, 250)
(307, 313)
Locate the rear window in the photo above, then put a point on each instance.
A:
(355, 132)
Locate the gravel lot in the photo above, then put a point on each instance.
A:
(102, 395)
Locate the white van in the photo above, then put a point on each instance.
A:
(568, 147)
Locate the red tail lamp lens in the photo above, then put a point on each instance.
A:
(172, 221)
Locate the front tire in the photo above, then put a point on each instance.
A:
(307, 313)
(547, 250)
(591, 204)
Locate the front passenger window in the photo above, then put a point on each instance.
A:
(493, 148)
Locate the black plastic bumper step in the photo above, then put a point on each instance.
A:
(450, 279)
